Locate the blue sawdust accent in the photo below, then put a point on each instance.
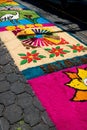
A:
(5, 23)
(25, 21)
(37, 71)
(42, 20)
(8, 23)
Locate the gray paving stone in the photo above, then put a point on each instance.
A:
(1, 69)
(82, 37)
(24, 100)
(8, 68)
(4, 86)
(4, 59)
(46, 119)
(2, 51)
(1, 109)
(41, 127)
(17, 87)
(29, 90)
(32, 115)
(37, 104)
(22, 78)
(2, 76)
(13, 77)
(4, 124)
(53, 128)
(7, 98)
(13, 113)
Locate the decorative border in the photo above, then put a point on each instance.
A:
(53, 67)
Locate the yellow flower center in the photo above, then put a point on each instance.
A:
(31, 57)
(56, 51)
(78, 47)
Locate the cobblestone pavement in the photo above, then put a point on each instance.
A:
(19, 107)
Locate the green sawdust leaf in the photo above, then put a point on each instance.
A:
(58, 47)
(35, 61)
(62, 55)
(69, 46)
(74, 51)
(34, 51)
(23, 62)
(41, 56)
(78, 44)
(52, 55)
(47, 49)
(66, 51)
(22, 54)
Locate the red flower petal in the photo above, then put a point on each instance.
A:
(57, 53)
(37, 58)
(29, 60)
(24, 57)
(28, 54)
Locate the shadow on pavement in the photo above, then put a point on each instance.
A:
(74, 12)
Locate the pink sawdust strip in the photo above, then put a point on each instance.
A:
(55, 96)
(2, 29)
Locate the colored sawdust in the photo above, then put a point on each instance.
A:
(53, 62)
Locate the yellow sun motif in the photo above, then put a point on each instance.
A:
(79, 83)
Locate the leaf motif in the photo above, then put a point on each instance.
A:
(66, 51)
(62, 55)
(41, 56)
(69, 46)
(74, 51)
(47, 49)
(58, 47)
(34, 61)
(22, 54)
(51, 55)
(23, 62)
(78, 44)
(34, 51)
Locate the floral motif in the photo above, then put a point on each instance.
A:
(57, 51)
(79, 83)
(29, 57)
(77, 48)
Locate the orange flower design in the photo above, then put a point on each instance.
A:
(78, 48)
(30, 57)
(57, 52)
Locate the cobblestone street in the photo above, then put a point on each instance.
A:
(19, 107)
